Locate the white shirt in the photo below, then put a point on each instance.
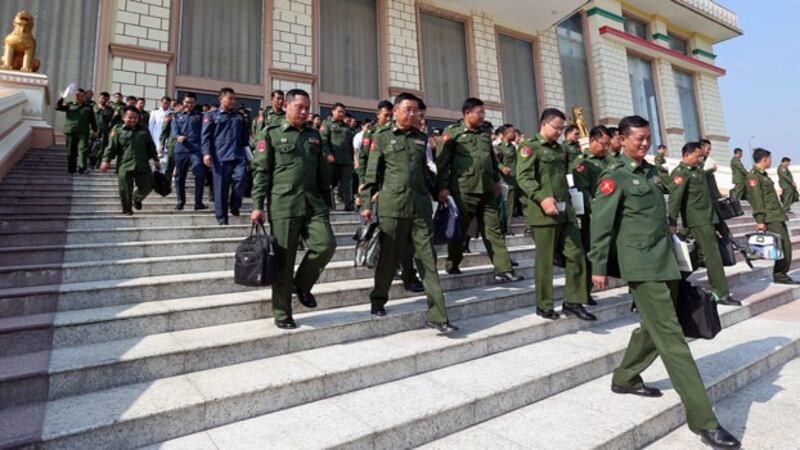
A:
(358, 140)
(156, 124)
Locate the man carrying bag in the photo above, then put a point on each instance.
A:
(257, 260)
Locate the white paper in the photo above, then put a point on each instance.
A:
(710, 164)
(561, 206)
(682, 253)
(577, 201)
(71, 88)
(570, 180)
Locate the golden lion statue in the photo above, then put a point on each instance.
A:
(19, 47)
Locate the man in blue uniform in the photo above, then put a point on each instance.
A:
(186, 128)
(224, 138)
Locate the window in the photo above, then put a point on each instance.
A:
(519, 83)
(645, 103)
(349, 48)
(678, 44)
(575, 67)
(66, 37)
(221, 43)
(635, 26)
(444, 62)
(684, 82)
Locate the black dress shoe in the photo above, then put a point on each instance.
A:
(179, 207)
(200, 206)
(514, 263)
(785, 280)
(730, 301)
(547, 313)
(718, 438)
(286, 324)
(591, 301)
(137, 204)
(379, 311)
(642, 391)
(306, 298)
(222, 221)
(454, 271)
(414, 286)
(507, 277)
(443, 328)
(578, 311)
(235, 212)
(127, 213)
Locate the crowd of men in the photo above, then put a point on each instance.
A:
(394, 171)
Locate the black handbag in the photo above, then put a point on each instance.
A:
(257, 260)
(373, 250)
(362, 237)
(161, 184)
(726, 249)
(697, 312)
(728, 208)
(446, 225)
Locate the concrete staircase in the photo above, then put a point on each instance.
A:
(128, 332)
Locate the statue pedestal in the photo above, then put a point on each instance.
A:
(23, 99)
(584, 143)
(35, 88)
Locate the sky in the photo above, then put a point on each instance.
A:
(761, 91)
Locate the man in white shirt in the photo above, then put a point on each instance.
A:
(156, 123)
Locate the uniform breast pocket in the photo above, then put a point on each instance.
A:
(285, 154)
(639, 196)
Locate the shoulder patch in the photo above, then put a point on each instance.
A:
(366, 142)
(678, 180)
(526, 152)
(446, 137)
(374, 146)
(607, 186)
(262, 146)
(752, 182)
(580, 167)
(322, 129)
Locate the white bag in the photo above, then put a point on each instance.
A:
(765, 246)
(683, 250)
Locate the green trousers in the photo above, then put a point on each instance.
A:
(77, 146)
(787, 198)
(706, 238)
(343, 178)
(660, 334)
(739, 191)
(484, 209)
(586, 240)
(510, 202)
(782, 266)
(395, 237)
(320, 245)
(563, 238)
(125, 182)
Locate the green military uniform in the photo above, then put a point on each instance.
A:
(507, 157)
(712, 181)
(586, 172)
(268, 118)
(116, 119)
(612, 157)
(133, 148)
(574, 151)
(168, 141)
(337, 140)
(629, 217)
(690, 199)
(80, 120)
(103, 117)
(466, 166)
(396, 168)
(144, 119)
(291, 174)
(738, 178)
(363, 152)
(542, 173)
(767, 209)
(789, 193)
(660, 162)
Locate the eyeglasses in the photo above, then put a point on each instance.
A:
(555, 128)
(410, 111)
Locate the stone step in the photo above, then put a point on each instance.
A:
(761, 415)
(74, 332)
(79, 272)
(435, 386)
(737, 357)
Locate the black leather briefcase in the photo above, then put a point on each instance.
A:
(697, 312)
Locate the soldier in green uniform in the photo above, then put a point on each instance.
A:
(712, 180)
(144, 116)
(136, 147)
(616, 145)
(507, 164)
(117, 105)
(786, 182)
(629, 216)
(167, 141)
(291, 174)
(103, 115)
(337, 141)
(396, 166)
(572, 145)
(660, 161)
(80, 122)
(467, 169)
(542, 178)
(586, 172)
(768, 211)
(739, 175)
(690, 198)
(271, 115)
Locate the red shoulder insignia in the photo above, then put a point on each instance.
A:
(607, 186)
(262, 146)
(526, 152)
(446, 137)
(752, 182)
(678, 180)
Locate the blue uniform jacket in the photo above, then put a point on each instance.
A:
(224, 135)
(189, 125)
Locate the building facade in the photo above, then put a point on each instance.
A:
(654, 58)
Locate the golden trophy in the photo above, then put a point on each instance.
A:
(578, 120)
(19, 47)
